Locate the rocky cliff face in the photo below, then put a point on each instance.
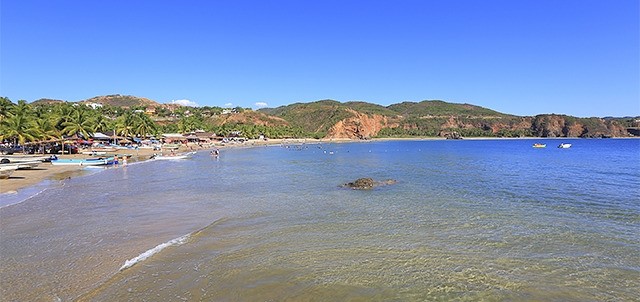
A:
(565, 126)
(359, 126)
(362, 126)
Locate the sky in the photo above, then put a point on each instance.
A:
(525, 57)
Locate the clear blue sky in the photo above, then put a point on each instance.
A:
(576, 57)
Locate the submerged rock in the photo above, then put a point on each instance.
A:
(367, 183)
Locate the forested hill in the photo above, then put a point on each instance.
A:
(320, 119)
(329, 118)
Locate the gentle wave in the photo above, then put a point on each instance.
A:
(177, 241)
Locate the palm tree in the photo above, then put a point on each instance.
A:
(22, 108)
(46, 128)
(125, 124)
(19, 127)
(5, 107)
(78, 123)
(101, 124)
(144, 126)
(64, 112)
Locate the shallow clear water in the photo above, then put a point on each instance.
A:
(467, 220)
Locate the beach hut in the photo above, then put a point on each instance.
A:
(174, 138)
(99, 136)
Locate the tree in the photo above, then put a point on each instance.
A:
(78, 123)
(5, 107)
(19, 127)
(46, 129)
(144, 126)
(125, 124)
(101, 124)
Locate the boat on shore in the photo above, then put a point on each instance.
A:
(6, 159)
(94, 153)
(564, 146)
(6, 170)
(23, 164)
(173, 156)
(539, 145)
(100, 161)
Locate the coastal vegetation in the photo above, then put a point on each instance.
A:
(130, 116)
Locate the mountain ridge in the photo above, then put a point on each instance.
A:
(362, 120)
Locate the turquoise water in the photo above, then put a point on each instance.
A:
(467, 220)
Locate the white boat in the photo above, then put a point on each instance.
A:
(83, 162)
(564, 146)
(94, 152)
(24, 164)
(174, 156)
(104, 149)
(6, 170)
(6, 159)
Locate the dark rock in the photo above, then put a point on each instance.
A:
(367, 183)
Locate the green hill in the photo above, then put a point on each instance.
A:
(315, 117)
(441, 108)
(368, 108)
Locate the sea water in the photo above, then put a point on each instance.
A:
(466, 220)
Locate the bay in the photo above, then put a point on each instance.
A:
(466, 220)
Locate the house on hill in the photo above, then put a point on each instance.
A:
(93, 106)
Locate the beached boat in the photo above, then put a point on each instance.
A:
(564, 146)
(5, 159)
(94, 153)
(5, 171)
(174, 156)
(105, 149)
(539, 145)
(83, 162)
(23, 164)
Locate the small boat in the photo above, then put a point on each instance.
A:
(94, 153)
(564, 146)
(6, 170)
(539, 145)
(24, 164)
(105, 149)
(174, 156)
(19, 159)
(83, 162)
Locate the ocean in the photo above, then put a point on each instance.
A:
(467, 220)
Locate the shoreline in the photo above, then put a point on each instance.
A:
(24, 179)
(27, 178)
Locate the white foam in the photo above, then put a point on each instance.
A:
(153, 251)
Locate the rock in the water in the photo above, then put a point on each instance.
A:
(367, 183)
